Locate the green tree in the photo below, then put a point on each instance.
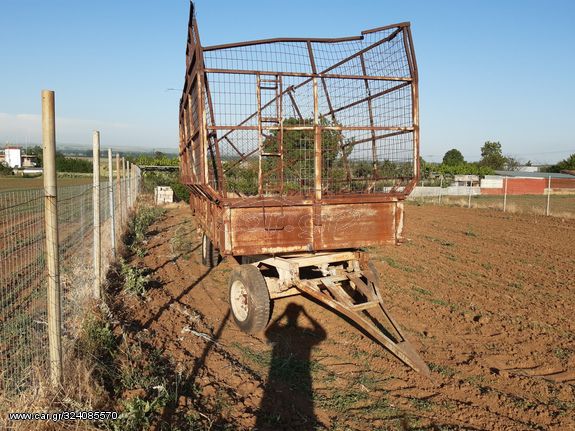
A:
(464, 169)
(492, 155)
(69, 164)
(453, 157)
(511, 163)
(566, 164)
(5, 170)
(38, 152)
(298, 155)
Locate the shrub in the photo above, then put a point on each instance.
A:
(135, 280)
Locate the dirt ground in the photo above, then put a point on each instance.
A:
(486, 297)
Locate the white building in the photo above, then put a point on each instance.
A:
(13, 157)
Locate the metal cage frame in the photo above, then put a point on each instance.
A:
(225, 124)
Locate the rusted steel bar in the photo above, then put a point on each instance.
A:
(371, 123)
(377, 137)
(280, 137)
(302, 39)
(317, 142)
(306, 75)
(415, 104)
(260, 137)
(385, 27)
(373, 96)
(280, 40)
(293, 102)
(230, 127)
(330, 107)
(218, 167)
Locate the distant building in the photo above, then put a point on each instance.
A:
(13, 157)
(525, 183)
(527, 168)
(29, 160)
(466, 180)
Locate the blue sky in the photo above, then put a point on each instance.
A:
(489, 70)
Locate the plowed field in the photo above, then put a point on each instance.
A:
(487, 298)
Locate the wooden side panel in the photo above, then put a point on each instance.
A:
(357, 225)
(271, 230)
(290, 229)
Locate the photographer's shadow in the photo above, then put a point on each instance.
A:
(287, 402)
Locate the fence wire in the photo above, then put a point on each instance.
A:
(553, 202)
(23, 274)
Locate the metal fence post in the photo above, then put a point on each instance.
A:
(119, 190)
(440, 189)
(505, 195)
(96, 202)
(469, 198)
(51, 222)
(548, 195)
(112, 215)
(129, 182)
(124, 190)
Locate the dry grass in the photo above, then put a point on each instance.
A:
(78, 393)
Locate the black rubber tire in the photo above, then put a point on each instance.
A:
(256, 297)
(210, 254)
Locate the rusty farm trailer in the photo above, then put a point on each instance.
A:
(297, 153)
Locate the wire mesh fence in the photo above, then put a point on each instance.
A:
(552, 202)
(23, 274)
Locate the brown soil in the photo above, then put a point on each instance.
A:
(486, 297)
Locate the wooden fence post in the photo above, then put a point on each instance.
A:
(54, 311)
(96, 202)
(112, 215)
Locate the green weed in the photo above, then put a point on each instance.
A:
(422, 291)
(340, 400)
(135, 279)
(181, 243)
(144, 219)
(96, 338)
(421, 403)
(137, 413)
(516, 285)
(442, 369)
(561, 353)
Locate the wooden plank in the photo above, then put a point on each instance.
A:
(339, 294)
(362, 287)
(324, 258)
(364, 306)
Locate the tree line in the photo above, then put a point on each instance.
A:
(492, 159)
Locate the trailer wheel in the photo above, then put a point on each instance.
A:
(210, 254)
(249, 299)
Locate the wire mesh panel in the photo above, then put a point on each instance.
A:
(23, 336)
(301, 116)
(23, 274)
